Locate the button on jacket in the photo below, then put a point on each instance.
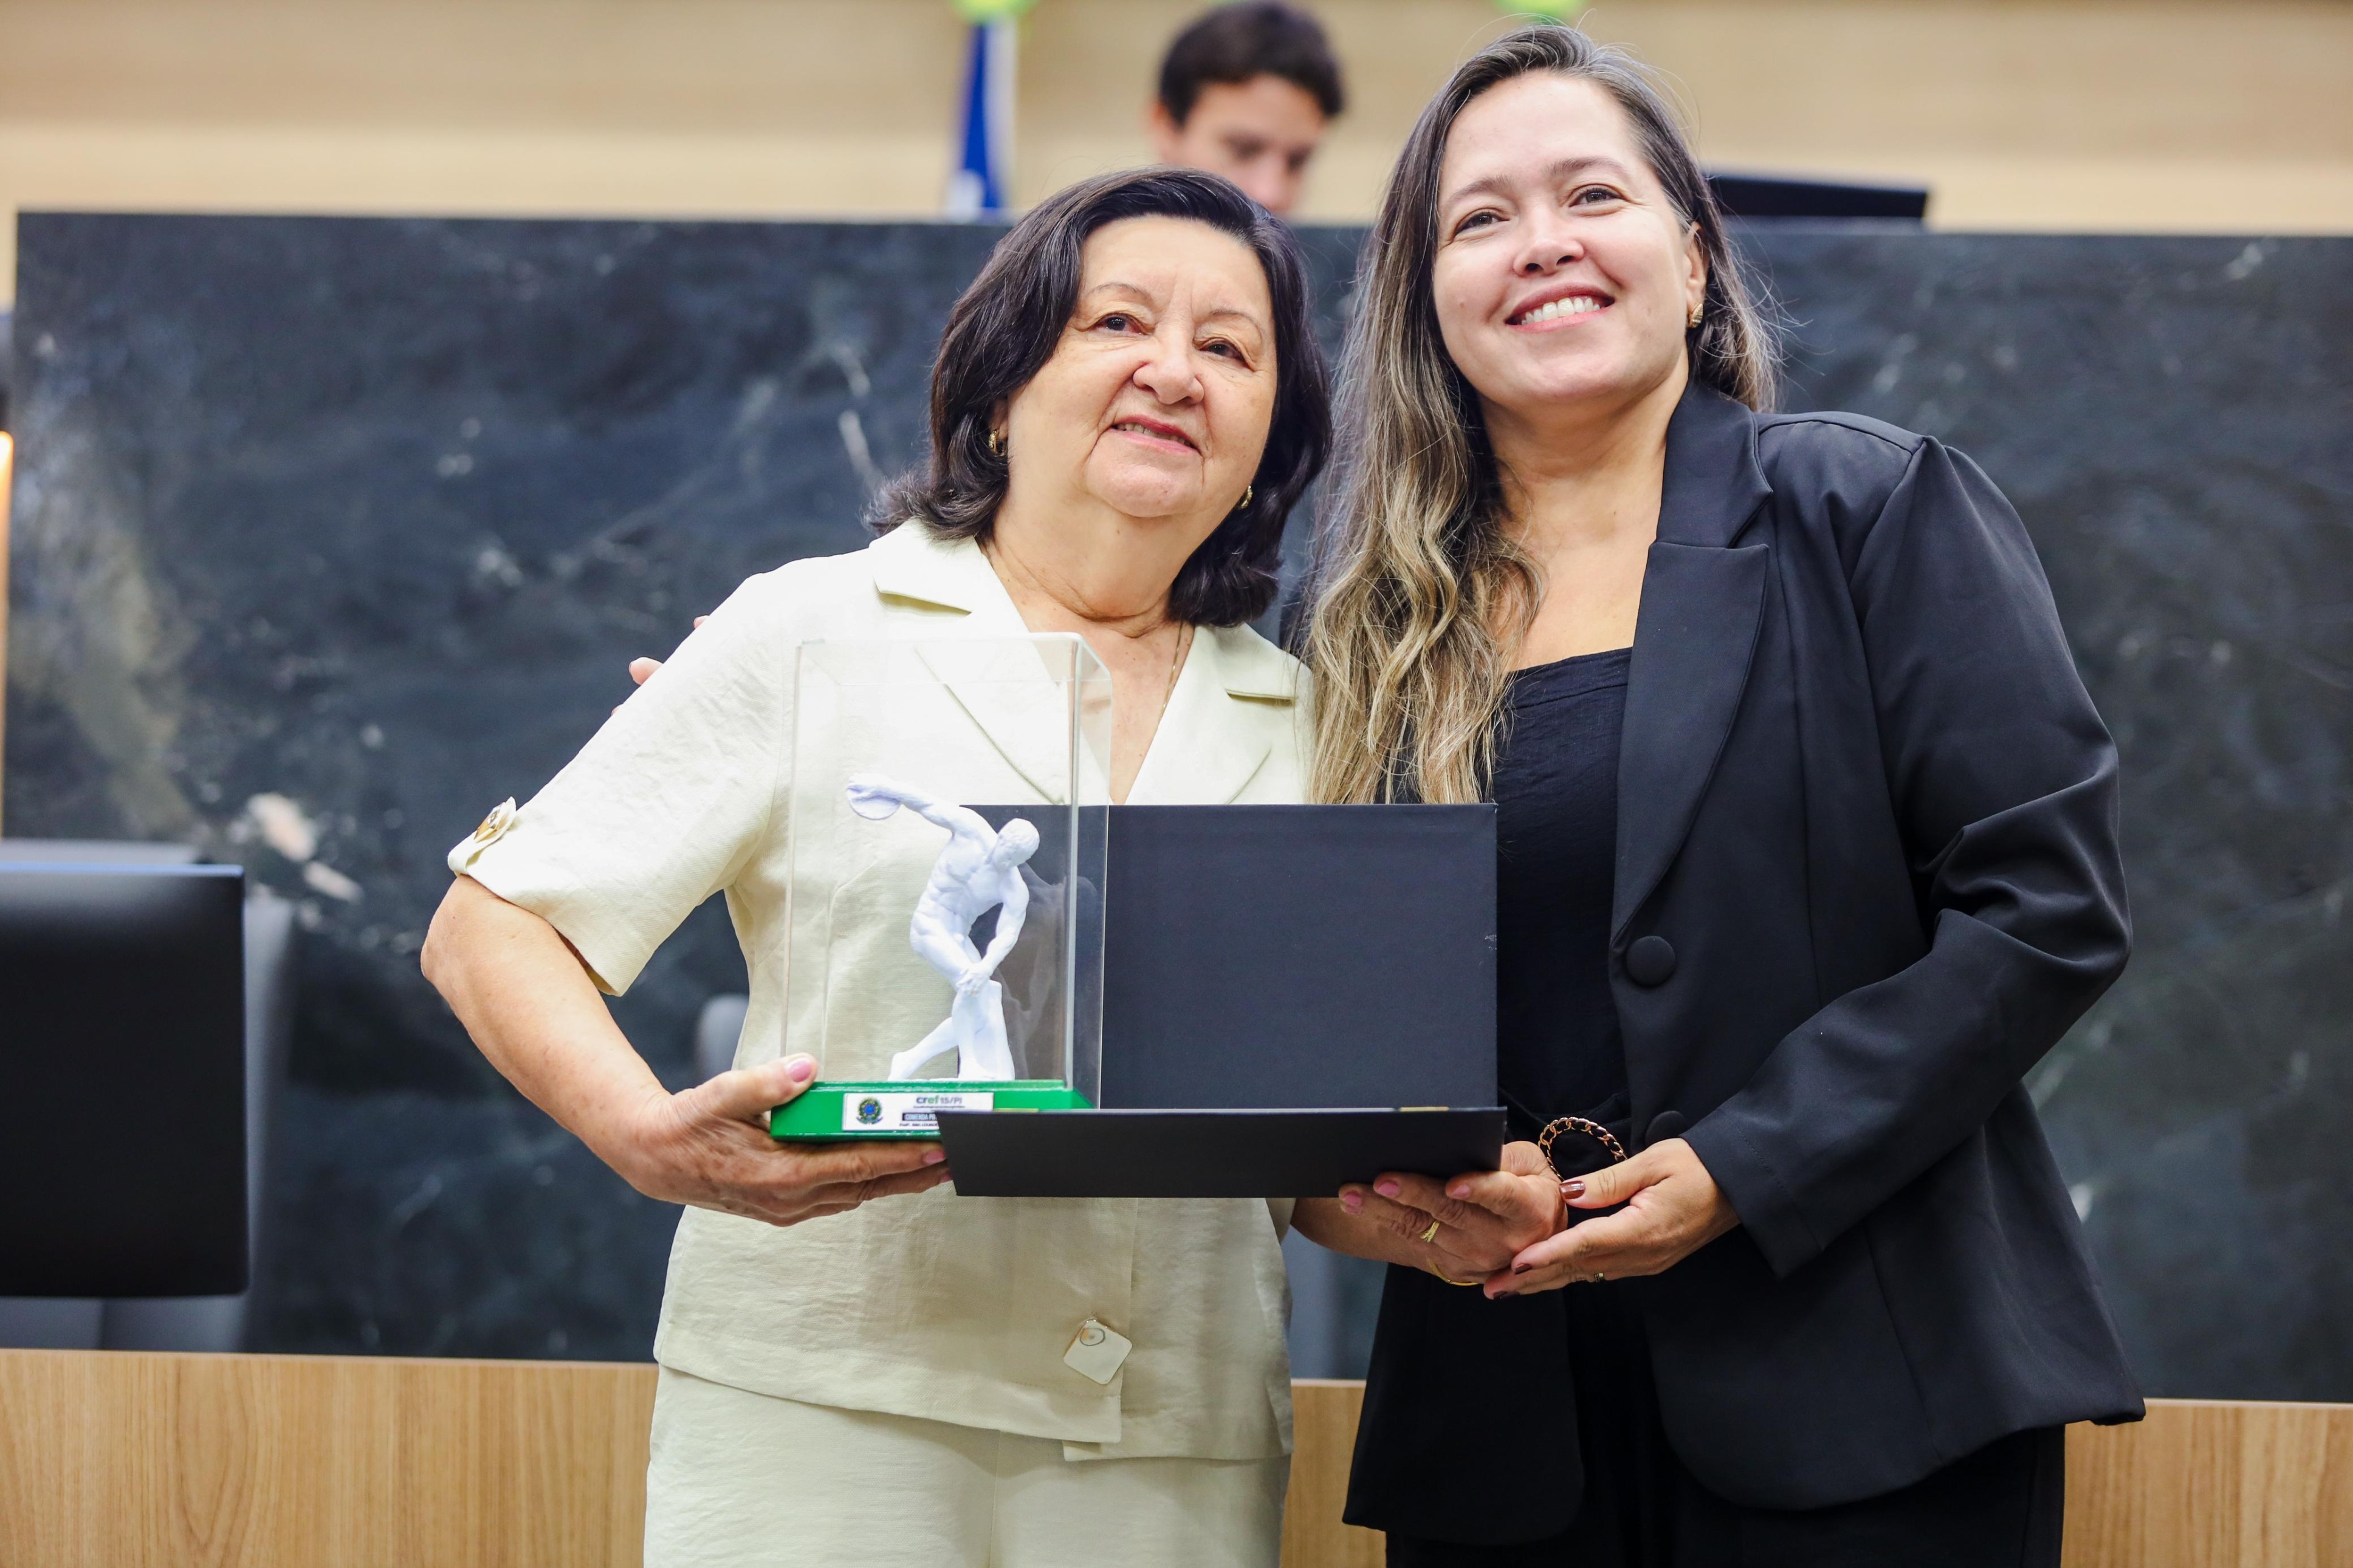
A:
(1867, 874)
(934, 1306)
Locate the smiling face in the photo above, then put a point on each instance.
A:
(1564, 278)
(1156, 400)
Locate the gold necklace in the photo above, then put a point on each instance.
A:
(1176, 663)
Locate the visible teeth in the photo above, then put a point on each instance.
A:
(1574, 305)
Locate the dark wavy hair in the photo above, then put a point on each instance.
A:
(1006, 326)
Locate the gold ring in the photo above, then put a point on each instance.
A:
(1428, 1235)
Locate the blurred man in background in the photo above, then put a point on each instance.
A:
(1245, 91)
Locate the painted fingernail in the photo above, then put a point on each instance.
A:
(800, 1070)
(1522, 1267)
(1386, 1189)
(933, 1156)
(1572, 1189)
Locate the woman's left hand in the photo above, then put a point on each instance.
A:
(1465, 1229)
(1672, 1209)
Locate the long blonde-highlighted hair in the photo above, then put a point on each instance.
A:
(1419, 596)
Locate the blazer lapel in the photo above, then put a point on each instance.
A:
(1018, 695)
(1695, 634)
(1010, 692)
(1230, 703)
(1221, 721)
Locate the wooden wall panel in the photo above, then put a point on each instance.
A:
(2213, 1484)
(1323, 1429)
(124, 1458)
(2145, 115)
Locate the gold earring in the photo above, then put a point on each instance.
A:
(1243, 504)
(995, 444)
(1698, 313)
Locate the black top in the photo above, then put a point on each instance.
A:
(1557, 1048)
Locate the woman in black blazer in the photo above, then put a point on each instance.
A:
(1809, 852)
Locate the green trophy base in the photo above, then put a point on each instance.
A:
(910, 1108)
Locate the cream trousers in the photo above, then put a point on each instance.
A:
(744, 1480)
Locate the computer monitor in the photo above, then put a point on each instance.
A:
(1778, 196)
(121, 1079)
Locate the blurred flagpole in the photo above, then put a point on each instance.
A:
(981, 185)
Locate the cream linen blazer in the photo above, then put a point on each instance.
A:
(936, 1306)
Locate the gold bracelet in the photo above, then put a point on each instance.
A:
(1593, 1129)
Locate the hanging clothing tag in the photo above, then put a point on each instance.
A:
(1097, 1353)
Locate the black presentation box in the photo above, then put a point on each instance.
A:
(1294, 997)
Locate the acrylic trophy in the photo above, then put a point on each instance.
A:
(943, 946)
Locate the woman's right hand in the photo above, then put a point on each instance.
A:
(1484, 1219)
(709, 1146)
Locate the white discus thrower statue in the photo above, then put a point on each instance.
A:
(979, 870)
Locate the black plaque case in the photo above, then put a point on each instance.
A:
(1294, 997)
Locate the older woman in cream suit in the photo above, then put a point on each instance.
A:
(858, 1366)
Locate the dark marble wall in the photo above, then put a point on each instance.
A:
(2173, 419)
(364, 518)
(329, 533)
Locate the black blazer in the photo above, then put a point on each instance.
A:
(1867, 875)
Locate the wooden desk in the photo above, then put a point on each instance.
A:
(125, 1458)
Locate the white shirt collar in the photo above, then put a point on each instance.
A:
(912, 563)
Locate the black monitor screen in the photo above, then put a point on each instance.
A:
(122, 1079)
